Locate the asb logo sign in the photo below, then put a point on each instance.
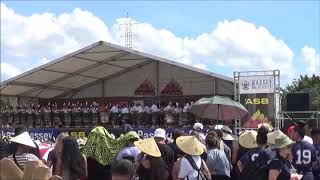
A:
(256, 101)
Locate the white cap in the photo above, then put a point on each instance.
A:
(160, 133)
(198, 126)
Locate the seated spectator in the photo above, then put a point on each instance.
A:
(122, 170)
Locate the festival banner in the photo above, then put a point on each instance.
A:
(45, 134)
(173, 88)
(256, 84)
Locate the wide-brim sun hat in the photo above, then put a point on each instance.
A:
(148, 146)
(190, 145)
(273, 135)
(248, 139)
(283, 141)
(266, 125)
(24, 139)
(227, 133)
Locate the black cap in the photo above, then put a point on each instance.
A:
(315, 131)
(301, 123)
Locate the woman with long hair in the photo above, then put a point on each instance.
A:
(53, 155)
(71, 163)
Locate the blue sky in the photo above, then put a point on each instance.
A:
(296, 23)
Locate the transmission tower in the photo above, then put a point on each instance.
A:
(128, 35)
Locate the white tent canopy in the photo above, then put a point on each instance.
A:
(103, 69)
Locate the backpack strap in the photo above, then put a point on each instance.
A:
(193, 164)
(15, 160)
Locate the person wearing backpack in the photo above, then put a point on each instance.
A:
(192, 167)
(280, 168)
(217, 160)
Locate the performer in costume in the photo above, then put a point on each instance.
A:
(47, 116)
(4, 117)
(24, 116)
(86, 115)
(56, 116)
(147, 115)
(114, 114)
(155, 115)
(104, 115)
(16, 118)
(38, 116)
(31, 116)
(168, 111)
(10, 113)
(177, 115)
(140, 118)
(185, 115)
(94, 111)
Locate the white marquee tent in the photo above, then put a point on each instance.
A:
(107, 70)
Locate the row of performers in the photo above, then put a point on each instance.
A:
(76, 115)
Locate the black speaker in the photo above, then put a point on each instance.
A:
(298, 102)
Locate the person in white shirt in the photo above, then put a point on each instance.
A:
(125, 110)
(193, 149)
(140, 119)
(147, 114)
(114, 114)
(155, 114)
(185, 114)
(177, 114)
(168, 115)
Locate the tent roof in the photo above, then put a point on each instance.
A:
(86, 66)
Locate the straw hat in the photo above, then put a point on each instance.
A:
(273, 135)
(266, 125)
(24, 139)
(190, 145)
(227, 133)
(283, 141)
(148, 146)
(248, 139)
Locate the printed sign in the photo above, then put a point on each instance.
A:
(44, 134)
(260, 107)
(256, 84)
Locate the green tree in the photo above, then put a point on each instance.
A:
(3, 103)
(305, 84)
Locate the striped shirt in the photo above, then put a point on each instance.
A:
(23, 158)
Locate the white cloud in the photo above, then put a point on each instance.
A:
(49, 34)
(8, 70)
(233, 45)
(312, 59)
